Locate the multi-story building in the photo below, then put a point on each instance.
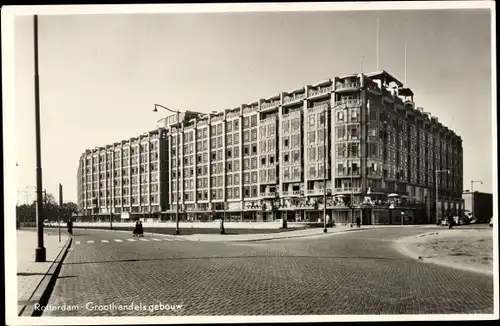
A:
(356, 140)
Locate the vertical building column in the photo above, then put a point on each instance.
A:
(332, 139)
(130, 185)
(242, 197)
(171, 198)
(280, 150)
(99, 181)
(149, 173)
(139, 164)
(209, 166)
(258, 139)
(195, 166)
(305, 155)
(183, 179)
(120, 150)
(224, 161)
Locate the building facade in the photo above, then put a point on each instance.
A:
(358, 139)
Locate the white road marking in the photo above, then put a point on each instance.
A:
(78, 242)
(155, 239)
(90, 241)
(144, 240)
(105, 241)
(118, 240)
(131, 240)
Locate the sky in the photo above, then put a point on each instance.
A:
(101, 74)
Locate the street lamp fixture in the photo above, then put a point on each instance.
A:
(437, 191)
(155, 109)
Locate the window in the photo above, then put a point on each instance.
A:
(229, 152)
(254, 135)
(285, 158)
(254, 149)
(285, 142)
(263, 161)
(246, 122)
(311, 154)
(253, 121)
(311, 135)
(340, 116)
(286, 126)
(312, 121)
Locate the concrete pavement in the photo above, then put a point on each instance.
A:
(310, 232)
(33, 277)
(354, 273)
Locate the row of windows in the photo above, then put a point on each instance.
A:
(291, 125)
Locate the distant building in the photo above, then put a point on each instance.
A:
(480, 204)
(265, 160)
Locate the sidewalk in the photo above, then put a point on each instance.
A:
(285, 235)
(32, 277)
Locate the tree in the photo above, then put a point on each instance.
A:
(51, 210)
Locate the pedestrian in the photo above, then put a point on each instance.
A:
(450, 221)
(358, 222)
(327, 220)
(70, 227)
(136, 229)
(141, 230)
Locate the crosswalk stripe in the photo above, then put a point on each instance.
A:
(131, 240)
(155, 239)
(118, 240)
(78, 242)
(167, 239)
(144, 240)
(105, 241)
(90, 241)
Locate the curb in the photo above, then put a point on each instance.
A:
(399, 245)
(44, 289)
(279, 238)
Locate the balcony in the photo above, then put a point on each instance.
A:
(321, 91)
(348, 190)
(268, 194)
(317, 192)
(387, 96)
(319, 108)
(268, 105)
(373, 88)
(347, 87)
(293, 99)
(349, 103)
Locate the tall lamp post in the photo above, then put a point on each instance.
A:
(112, 191)
(177, 231)
(472, 194)
(40, 252)
(437, 191)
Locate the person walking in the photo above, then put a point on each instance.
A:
(141, 230)
(70, 227)
(451, 221)
(136, 229)
(358, 222)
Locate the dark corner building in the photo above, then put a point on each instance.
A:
(266, 160)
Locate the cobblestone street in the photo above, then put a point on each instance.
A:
(344, 273)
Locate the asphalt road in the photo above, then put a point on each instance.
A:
(345, 273)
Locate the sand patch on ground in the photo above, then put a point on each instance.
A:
(470, 249)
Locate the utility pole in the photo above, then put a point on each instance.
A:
(40, 252)
(60, 210)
